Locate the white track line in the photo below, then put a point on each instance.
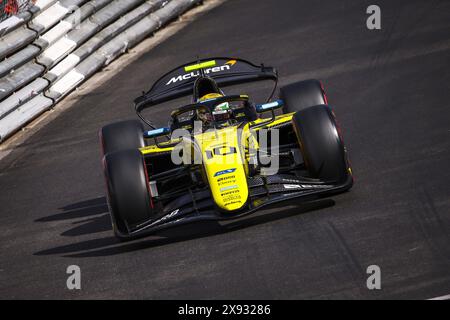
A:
(447, 297)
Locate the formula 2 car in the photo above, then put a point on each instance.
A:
(222, 156)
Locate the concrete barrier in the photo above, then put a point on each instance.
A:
(88, 28)
(23, 114)
(52, 48)
(23, 95)
(102, 38)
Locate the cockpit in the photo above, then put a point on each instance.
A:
(214, 113)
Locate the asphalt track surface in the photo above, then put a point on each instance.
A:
(390, 90)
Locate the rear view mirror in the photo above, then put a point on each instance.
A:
(261, 108)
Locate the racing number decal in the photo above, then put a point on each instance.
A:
(220, 151)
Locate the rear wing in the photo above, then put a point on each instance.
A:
(180, 81)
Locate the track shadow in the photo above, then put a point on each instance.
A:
(110, 246)
(95, 212)
(79, 210)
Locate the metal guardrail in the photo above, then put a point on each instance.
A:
(50, 49)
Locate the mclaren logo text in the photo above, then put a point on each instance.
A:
(195, 74)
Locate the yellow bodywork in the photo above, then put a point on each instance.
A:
(225, 157)
(223, 164)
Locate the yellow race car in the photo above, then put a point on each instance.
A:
(222, 156)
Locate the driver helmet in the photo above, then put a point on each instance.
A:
(221, 112)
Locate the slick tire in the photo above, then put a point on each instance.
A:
(302, 95)
(128, 191)
(122, 136)
(321, 144)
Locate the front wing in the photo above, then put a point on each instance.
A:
(264, 192)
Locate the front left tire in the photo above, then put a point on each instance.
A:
(128, 190)
(303, 94)
(321, 144)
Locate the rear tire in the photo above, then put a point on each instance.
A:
(301, 95)
(321, 145)
(128, 192)
(122, 136)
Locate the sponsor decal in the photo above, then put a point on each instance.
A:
(232, 198)
(292, 186)
(305, 186)
(232, 202)
(230, 193)
(289, 180)
(226, 179)
(228, 188)
(170, 215)
(221, 173)
(194, 74)
(226, 182)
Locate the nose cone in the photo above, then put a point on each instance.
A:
(229, 187)
(224, 168)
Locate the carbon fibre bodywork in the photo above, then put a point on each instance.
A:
(199, 206)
